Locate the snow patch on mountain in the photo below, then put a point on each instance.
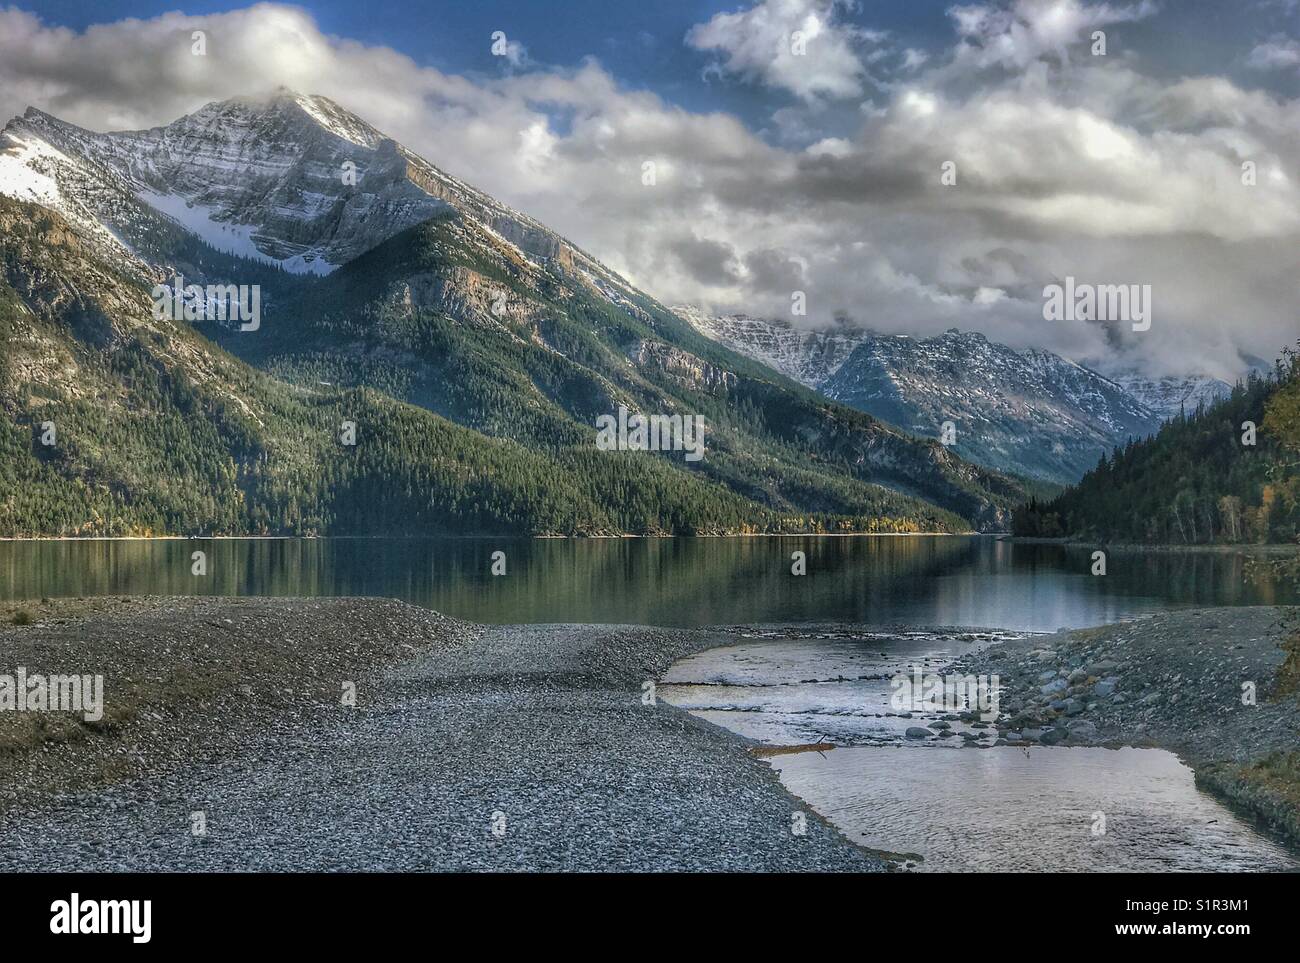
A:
(338, 122)
(222, 236)
(1173, 394)
(21, 176)
(35, 171)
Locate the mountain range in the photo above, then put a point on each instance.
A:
(1031, 412)
(469, 348)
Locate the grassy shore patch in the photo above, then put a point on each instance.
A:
(1268, 788)
(1288, 674)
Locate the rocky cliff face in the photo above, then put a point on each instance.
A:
(682, 366)
(1029, 412)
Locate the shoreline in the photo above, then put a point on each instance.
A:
(1266, 548)
(478, 538)
(455, 726)
(1215, 686)
(455, 721)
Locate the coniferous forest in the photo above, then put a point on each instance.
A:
(1226, 473)
(119, 424)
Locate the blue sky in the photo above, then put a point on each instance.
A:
(641, 43)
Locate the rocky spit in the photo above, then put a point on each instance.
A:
(228, 744)
(1216, 686)
(368, 734)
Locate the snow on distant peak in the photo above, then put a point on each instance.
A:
(1031, 412)
(806, 355)
(1170, 395)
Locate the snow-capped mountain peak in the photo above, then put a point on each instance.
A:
(1031, 412)
(292, 179)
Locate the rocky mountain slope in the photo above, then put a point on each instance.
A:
(411, 285)
(805, 355)
(287, 178)
(1032, 412)
(152, 429)
(1169, 396)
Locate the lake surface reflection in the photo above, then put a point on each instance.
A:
(925, 580)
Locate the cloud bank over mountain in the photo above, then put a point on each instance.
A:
(1066, 163)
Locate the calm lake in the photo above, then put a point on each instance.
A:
(1029, 812)
(923, 580)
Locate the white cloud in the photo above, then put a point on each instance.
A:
(801, 46)
(914, 59)
(1279, 53)
(830, 147)
(1017, 34)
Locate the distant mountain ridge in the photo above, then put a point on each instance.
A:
(1171, 395)
(808, 356)
(1029, 412)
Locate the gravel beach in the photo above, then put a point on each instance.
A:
(468, 748)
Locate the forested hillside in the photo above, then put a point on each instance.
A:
(438, 296)
(472, 331)
(158, 431)
(1198, 481)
